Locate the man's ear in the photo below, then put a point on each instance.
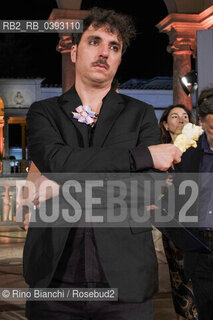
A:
(73, 53)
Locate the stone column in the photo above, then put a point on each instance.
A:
(181, 29)
(68, 68)
(6, 204)
(65, 42)
(181, 66)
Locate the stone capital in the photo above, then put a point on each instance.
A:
(182, 29)
(65, 43)
(68, 14)
(182, 46)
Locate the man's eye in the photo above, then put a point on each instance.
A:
(114, 48)
(93, 42)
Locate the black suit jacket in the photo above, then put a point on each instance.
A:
(190, 163)
(59, 143)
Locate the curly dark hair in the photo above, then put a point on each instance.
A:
(205, 102)
(165, 136)
(114, 22)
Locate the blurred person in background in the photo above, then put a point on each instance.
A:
(198, 266)
(171, 124)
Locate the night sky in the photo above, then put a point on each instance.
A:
(35, 55)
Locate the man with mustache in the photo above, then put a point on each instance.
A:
(91, 128)
(102, 63)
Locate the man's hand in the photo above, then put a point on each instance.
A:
(165, 155)
(51, 190)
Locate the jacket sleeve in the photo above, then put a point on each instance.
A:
(51, 154)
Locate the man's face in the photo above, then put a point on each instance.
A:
(97, 56)
(207, 125)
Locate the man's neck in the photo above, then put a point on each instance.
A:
(92, 95)
(210, 142)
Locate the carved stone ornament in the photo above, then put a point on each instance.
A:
(65, 43)
(18, 98)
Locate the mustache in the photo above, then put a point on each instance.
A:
(101, 61)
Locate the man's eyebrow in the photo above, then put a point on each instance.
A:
(115, 43)
(93, 37)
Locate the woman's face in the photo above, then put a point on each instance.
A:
(177, 118)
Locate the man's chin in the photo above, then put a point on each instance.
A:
(99, 81)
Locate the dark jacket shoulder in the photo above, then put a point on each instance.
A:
(190, 160)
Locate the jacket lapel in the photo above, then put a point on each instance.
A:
(190, 161)
(196, 157)
(68, 102)
(112, 106)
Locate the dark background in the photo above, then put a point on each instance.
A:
(35, 55)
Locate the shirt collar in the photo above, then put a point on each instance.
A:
(205, 145)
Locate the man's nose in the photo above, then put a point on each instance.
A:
(104, 51)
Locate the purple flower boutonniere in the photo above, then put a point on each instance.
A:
(85, 115)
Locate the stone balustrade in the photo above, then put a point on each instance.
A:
(11, 189)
